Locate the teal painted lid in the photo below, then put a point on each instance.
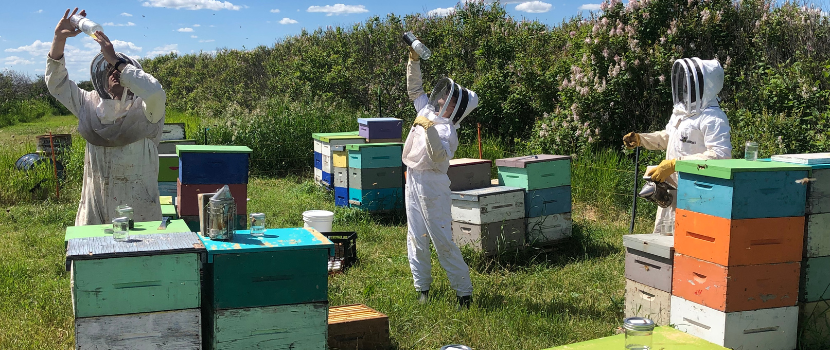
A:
(521, 162)
(725, 168)
(211, 149)
(141, 228)
(357, 147)
(318, 135)
(273, 240)
(341, 137)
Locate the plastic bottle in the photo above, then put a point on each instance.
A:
(417, 45)
(86, 25)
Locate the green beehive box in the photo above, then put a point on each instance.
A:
(169, 210)
(296, 326)
(375, 155)
(168, 167)
(318, 135)
(663, 338)
(141, 228)
(149, 273)
(535, 172)
(727, 168)
(286, 266)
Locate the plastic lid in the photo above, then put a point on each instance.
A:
(317, 214)
(638, 324)
(456, 347)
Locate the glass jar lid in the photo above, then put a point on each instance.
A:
(638, 324)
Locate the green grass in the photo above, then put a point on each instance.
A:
(530, 300)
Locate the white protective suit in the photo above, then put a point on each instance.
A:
(698, 128)
(121, 158)
(427, 155)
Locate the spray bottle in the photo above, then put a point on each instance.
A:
(86, 25)
(417, 45)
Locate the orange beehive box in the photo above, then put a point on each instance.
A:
(735, 288)
(358, 327)
(738, 242)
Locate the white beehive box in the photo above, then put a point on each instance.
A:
(179, 329)
(486, 205)
(548, 228)
(767, 329)
(649, 302)
(318, 146)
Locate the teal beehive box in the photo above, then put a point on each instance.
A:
(741, 189)
(286, 266)
(375, 155)
(535, 172)
(148, 273)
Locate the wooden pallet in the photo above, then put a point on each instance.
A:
(358, 327)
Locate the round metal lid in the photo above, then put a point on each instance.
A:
(638, 324)
(456, 347)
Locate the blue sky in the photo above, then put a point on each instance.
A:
(147, 28)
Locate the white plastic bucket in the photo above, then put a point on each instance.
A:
(319, 220)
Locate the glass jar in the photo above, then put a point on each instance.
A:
(126, 211)
(751, 151)
(258, 224)
(638, 333)
(121, 229)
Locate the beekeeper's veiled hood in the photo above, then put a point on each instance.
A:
(98, 73)
(696, 84)
(446, 90)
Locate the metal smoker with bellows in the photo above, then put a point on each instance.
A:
(221, 215)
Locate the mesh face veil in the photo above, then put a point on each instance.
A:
(99, 73)
(687, 84)
(451, 99)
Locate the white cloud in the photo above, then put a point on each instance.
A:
(194, 36)
(338, 9)
(192, 4)
(441, 12)
(590, 7)
(275, 11)
(39, 11)
(534, 7)
(207, 41)
(197, 25)
(14, 60)
(124, 46)
(38, 48)
(186, 30)
(126, 14)
(163, 50)
(111, 24)
(287, 20)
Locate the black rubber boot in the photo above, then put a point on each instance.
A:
(423, 297)
(464, 302)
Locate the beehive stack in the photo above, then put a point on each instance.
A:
(318, 152)
(546, 180)
(814, 302)
(141, 294)
(266, 292)
(489, 219)
(648, 272)
(206, 169)
(375, 176)
(739, 231)
(329, 146)
(172, 135)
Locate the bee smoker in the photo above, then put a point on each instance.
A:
(221, 215)
(657, 192)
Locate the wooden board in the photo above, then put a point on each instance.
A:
(651, 270)
(817, 235)
(815, 279)
(188, 196)
(140, 228)
(544, 230)
(664, 338)
(660, 245)
(284, 327)
(737, 288)
(492, 238)
(738, 242)
(728, 168)
(120, 286)
(467, 174)
(486, 205)
(749, 195)
(200, 168)
(767, 329)
(649, 302)
(814, 325)
(548, 201)
(357, 327)
(179, 329)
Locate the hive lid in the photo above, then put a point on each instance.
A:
(475, 194)
(804, 158)
(726, 168)
(521, 162)
(91, 248)
(273, 240)
(211, 149)
(369, 120)
(318, 135)
(329, 138)
(358, 146)
(660, 245)
(468, 161)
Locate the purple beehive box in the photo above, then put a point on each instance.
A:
(380, 128)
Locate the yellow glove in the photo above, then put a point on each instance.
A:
(662, 171)
(631, 140)
(424, 122)
(413, 56)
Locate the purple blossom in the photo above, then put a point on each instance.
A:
(662, 78)
(573, 34)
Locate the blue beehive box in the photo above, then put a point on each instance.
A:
(741, 189)
(341, 196)
(380, 128)
(548, 201)
(206, 164)
(375, 155)
(381, 199)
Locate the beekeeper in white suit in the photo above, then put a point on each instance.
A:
(121, 121)
(430, 145)
(697, 129)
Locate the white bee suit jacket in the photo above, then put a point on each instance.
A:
(121, 157)
(427, 155)
(693, 132)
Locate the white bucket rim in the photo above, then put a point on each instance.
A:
(317, 214)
